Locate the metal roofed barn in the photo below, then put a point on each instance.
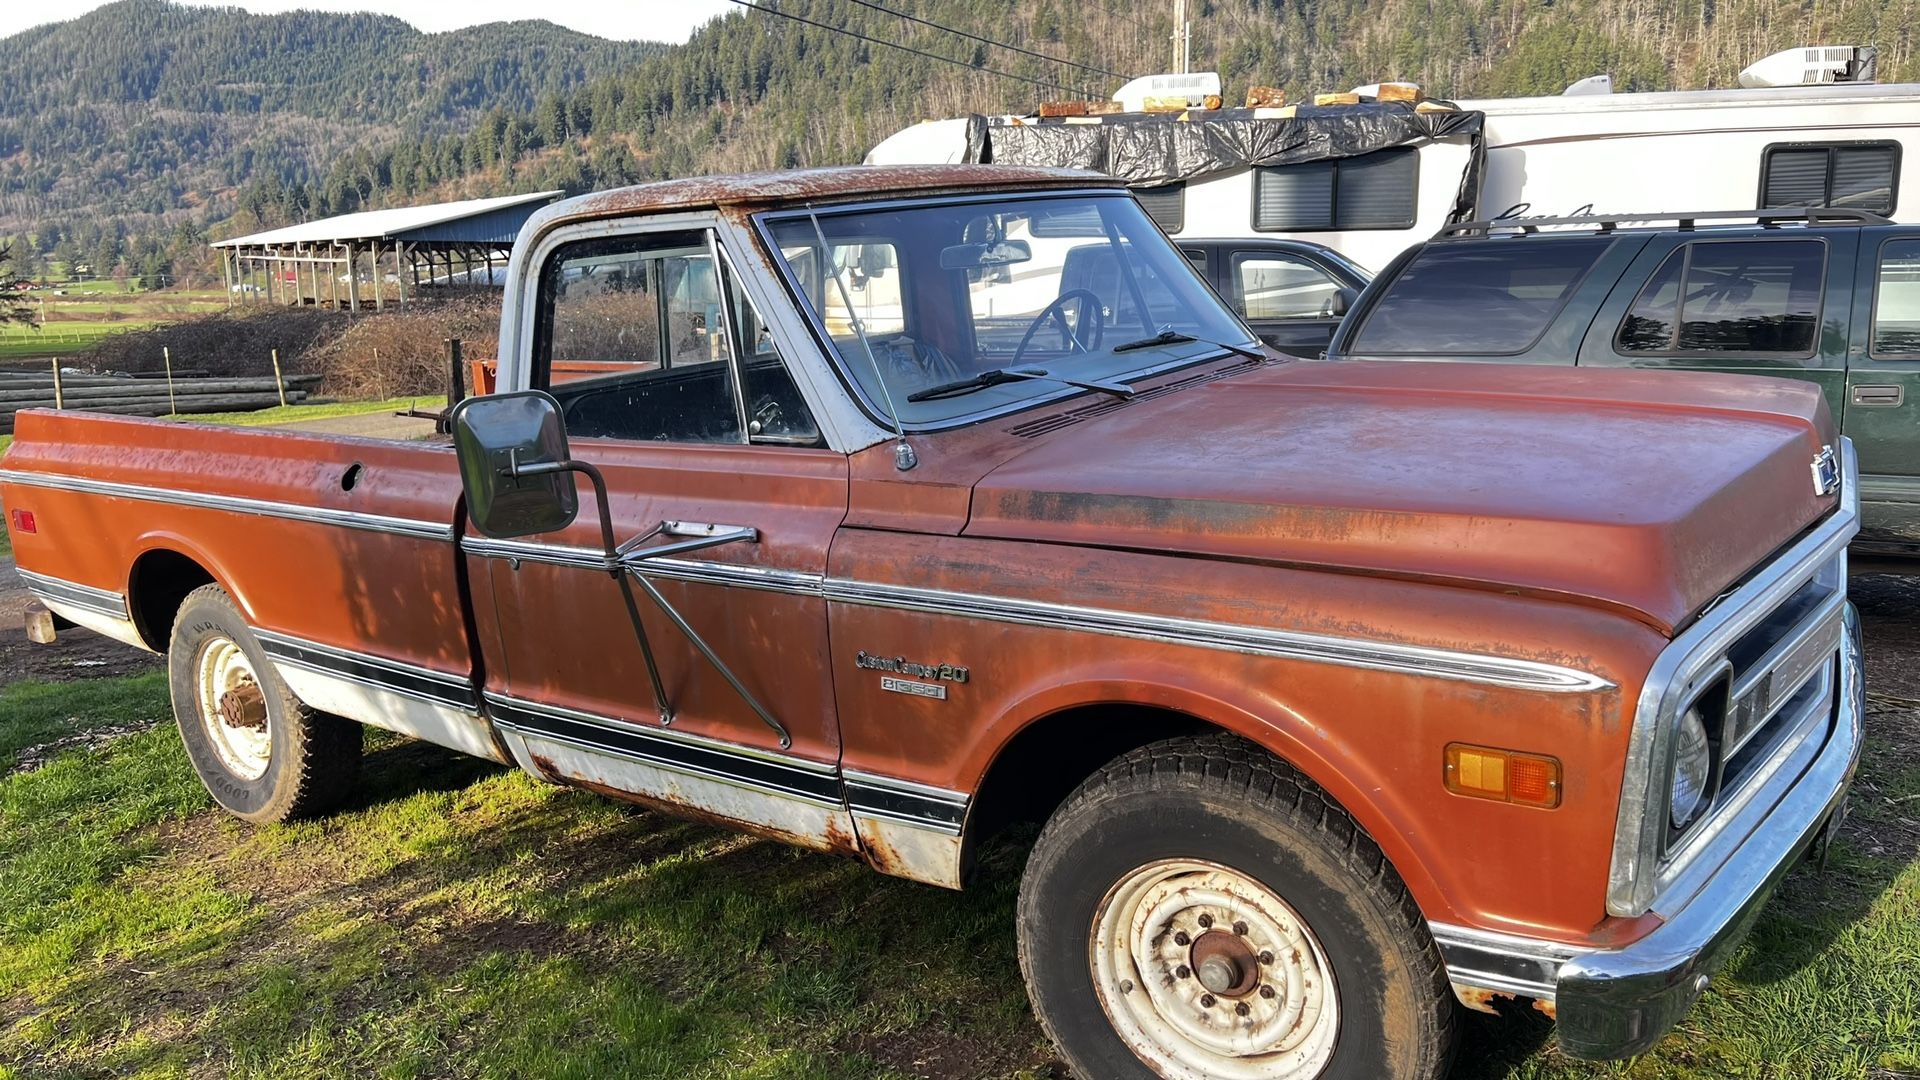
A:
(326, 262)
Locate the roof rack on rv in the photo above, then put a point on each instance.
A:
(1606, 223)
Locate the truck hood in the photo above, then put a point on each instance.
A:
(1647, 491)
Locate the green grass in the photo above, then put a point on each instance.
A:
(284, 414)
(461, 919)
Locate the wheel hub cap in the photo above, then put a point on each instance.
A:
(233, 708)
(1207, 973)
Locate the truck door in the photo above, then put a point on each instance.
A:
(672, 385)
(1288, 299)
(1883, 384)
(1775, 303)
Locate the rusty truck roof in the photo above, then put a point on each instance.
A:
(837, 184)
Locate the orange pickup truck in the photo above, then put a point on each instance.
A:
(881, 510)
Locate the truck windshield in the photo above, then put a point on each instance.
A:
(1081, 287)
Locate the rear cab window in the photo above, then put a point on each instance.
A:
(1477, 297)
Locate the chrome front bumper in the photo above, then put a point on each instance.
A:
(1617, 1003)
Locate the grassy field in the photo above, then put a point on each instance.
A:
(289, 413)
(464, 920)
(94, 309)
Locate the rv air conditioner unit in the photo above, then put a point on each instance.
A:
(1812, 66)
(1592, 84)
(1195, 88)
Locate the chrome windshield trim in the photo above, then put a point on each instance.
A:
(425, 530)
(1684, 669)
(796, 298)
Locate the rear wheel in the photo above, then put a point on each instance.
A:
(263, 754)
(1200, 910)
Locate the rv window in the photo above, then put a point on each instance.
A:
(1166, 205)
(1896, 301)
(1857, 176)
(1730, 296)
(1477, 298)
(1374, 191)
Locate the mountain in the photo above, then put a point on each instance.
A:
(135, 130)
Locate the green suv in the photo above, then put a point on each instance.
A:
(1831, 296)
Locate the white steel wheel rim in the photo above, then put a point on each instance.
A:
(233, 708)
(1145, 935)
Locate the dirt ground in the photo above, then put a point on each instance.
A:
(79, 654)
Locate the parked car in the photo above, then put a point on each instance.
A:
(1341, 694)
(1291, 292)
(1831, 297)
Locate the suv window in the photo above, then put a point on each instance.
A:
(1896, 301)
(1860, 176)
(1478, 298)
(1746, 296)
(1372, 191)
(1271, 285)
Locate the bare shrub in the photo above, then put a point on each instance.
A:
(401, 353)
(239, 342)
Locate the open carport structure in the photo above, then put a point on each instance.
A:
(345, 261)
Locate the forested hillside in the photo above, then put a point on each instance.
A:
(161, 122)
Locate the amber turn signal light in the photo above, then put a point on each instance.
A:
(1484, 772)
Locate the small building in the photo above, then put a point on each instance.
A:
(345, 261)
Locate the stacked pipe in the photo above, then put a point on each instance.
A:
(145, 396)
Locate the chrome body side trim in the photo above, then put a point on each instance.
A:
(442, 688)
(903, 802)
(1259, 641)
(50, 589)
(1637, 880)
(425, 530)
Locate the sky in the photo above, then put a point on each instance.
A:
(632, 20)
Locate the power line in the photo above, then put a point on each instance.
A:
(771, 10)
(985, 40)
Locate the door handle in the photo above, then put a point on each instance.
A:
(1879, 395)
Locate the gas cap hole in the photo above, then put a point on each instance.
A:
(351, 477)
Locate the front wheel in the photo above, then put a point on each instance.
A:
(261, 752)
(1199, 910)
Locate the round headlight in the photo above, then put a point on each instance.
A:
(1692, 769)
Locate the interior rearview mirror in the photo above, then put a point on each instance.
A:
(982, 256)
(513, 453)
(1341, 301)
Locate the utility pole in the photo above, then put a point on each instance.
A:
(1182, 36)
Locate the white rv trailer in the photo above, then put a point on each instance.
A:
(1831, 145)
(1825, 141)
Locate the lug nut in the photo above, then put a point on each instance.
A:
(1242, 1009)
(1126, 986)
(1240, 928)
(1182, 972)
(1266, 957)
(1266, 991)
(1181, 938)
(1206, 921)
(1206, 1001)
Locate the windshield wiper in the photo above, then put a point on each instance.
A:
(999, 376)
(1174, 337)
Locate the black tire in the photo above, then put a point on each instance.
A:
(312, 758)
(1222, 801)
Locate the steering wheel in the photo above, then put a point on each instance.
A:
(1093, 324)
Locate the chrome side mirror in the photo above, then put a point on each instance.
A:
(514, 464)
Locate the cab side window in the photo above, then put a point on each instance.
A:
(1896, 302)
(776, 413)
(1277, 286)
(1730, 296)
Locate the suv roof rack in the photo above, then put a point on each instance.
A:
(1606, 223)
